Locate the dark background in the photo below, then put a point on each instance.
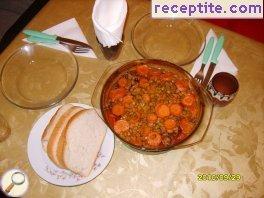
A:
(10, 11)
(253, 28)
(14, 15)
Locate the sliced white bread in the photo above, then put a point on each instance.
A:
(57, 132)
(50, 127)
(82, 141)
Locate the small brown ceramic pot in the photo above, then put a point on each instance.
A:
(223, 88)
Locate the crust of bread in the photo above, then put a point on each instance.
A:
(62, 142)
(52, 138)
(46, 136)
(57, 131)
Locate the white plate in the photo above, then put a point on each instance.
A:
(48, 171)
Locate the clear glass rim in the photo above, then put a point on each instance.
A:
(145, 56)
(70, 88)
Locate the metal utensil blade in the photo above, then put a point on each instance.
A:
(209, 74)
(74, 42)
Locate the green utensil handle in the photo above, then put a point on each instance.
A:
(39, 34)
(208, 50)
(34, 39)
(217, 49)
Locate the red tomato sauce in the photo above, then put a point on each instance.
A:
(152, 108)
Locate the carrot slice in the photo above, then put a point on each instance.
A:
(152, 118)
(188, 100)
(176, 109)
(182, 85)
(170, 124)
(142, 70)
(154, 139)
(121, 126)
(127, 100)
(143, 82)
(186, 126)
(117, 93)
(122, 82)
(118, 109)
(162, 110)
(146, 97)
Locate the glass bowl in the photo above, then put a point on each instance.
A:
(112, 70)
(35, 76)
(179, 41)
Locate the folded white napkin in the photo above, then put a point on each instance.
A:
(224, 63)
(68, 29)
(108, 19)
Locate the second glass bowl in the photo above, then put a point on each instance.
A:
(178, 41)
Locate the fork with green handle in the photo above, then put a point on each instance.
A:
(214, 60)
(40, 37)
(199, 76)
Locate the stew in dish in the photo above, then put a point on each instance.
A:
(152, 108)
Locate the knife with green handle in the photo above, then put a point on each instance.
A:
(34, 39)
(207, 52)
(40, 37)
(214, 59)
(39, 34)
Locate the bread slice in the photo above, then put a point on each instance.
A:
(57, 132)
(49, 129)
(82, 141)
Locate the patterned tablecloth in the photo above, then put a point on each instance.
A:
(234, 142)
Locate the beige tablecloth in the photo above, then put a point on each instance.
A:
(234, 142)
